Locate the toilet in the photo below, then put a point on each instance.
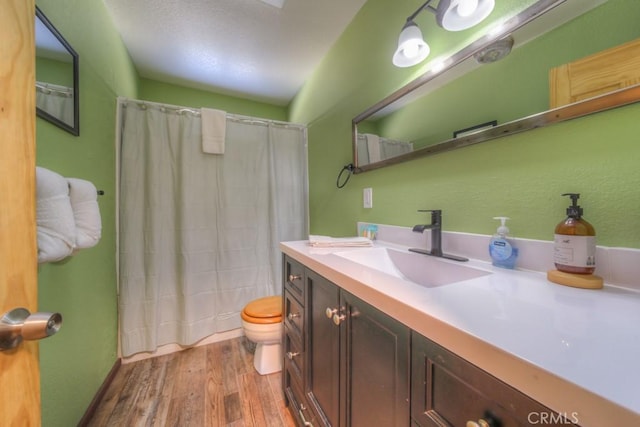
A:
(262, 324)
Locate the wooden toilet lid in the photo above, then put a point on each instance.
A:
(264, 310)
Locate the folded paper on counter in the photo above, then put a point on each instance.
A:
(334, 242)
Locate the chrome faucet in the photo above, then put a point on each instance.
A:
(436, 236)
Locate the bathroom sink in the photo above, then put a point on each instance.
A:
(423, 270)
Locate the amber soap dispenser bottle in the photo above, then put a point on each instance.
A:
(574, 251)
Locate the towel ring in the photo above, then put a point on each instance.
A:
(350, 168)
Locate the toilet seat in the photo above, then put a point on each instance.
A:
(265, 310)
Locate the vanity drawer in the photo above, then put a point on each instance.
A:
(295, 400)
(447, 390)
(293, 315)
(293, 279)
(293, 355)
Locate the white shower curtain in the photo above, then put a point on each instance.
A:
(55, 100)
(199, 233)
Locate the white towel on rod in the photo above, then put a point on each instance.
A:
(86, 212)
(56, 229)
(214, 128)
(373, 145)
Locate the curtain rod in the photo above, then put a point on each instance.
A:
(196, 111)
(50, 88)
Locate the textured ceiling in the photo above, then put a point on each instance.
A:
(245, 48)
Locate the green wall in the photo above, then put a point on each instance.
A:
(53, 71)
(76, 361)
(520, 176)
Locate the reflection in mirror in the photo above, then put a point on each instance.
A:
(56, 77)
(498, 85)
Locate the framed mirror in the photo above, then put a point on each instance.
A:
(57, 98)
(497, 85)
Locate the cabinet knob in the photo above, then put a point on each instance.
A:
(294, 277)
(338, 318)
(292, 316)
(291, 354)
(479, 423)
(330, 312)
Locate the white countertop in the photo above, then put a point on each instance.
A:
(576, 351)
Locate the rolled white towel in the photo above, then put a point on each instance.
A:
(86, 212)
(56, 229)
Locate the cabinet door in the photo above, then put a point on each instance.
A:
(322, 349)
(377, 366)
(449, 391)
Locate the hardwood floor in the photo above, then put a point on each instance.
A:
(212, 385)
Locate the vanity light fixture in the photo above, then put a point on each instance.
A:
(452, 15)
(412, 49)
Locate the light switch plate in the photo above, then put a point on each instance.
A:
(367, 198)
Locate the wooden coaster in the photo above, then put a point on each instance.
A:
(586, 281)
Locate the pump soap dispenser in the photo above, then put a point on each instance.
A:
(574, 251)
(501, 249)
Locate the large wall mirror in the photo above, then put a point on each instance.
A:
(56, 77)
(476, 98)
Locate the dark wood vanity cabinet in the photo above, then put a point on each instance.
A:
(447, 390)
(347, 363)
(355, 368)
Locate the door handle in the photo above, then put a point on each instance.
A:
(19, 324)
